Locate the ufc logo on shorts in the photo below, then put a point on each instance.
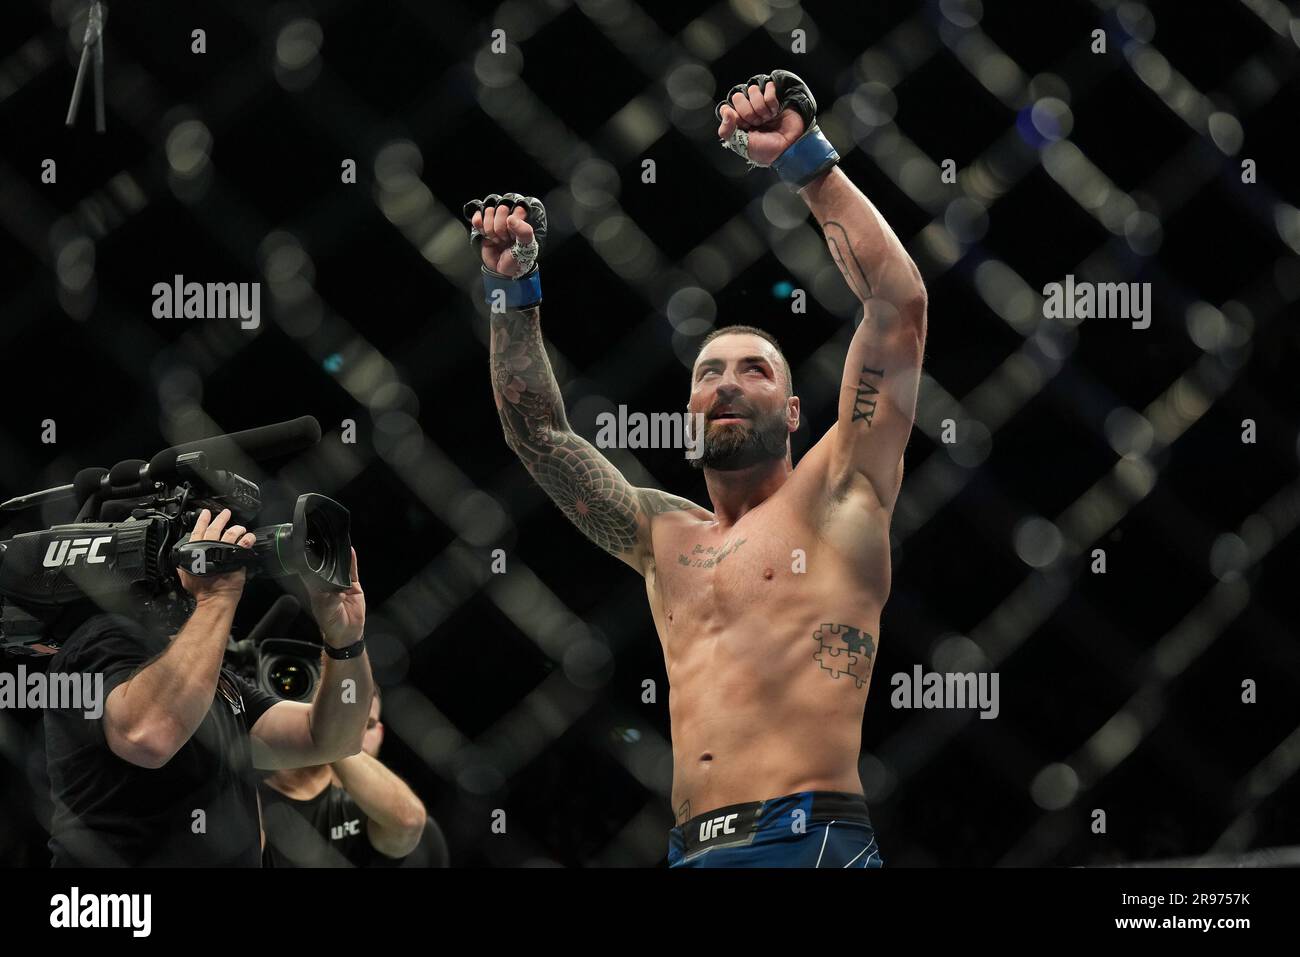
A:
(719, 825)
(59, 553)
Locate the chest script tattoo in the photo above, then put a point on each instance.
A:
(706, 556)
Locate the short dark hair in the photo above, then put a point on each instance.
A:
(738, 330)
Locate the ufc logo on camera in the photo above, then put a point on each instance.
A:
(66, 551)
(718, 825)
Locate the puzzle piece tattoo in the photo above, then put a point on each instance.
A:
(844, 650)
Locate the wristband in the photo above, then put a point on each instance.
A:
(353, 650)
(807, 158)
(522, 293)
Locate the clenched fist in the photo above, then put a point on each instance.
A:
(511, 229)
(771, 120)
(769, 130)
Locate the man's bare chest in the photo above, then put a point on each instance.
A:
(746, 567)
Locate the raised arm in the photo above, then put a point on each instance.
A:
(293, 734)
(883, 367)
(593, 495)
(771, 121)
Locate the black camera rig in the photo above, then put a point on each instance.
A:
(132, 532)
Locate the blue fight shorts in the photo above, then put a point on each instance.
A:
(808, 829)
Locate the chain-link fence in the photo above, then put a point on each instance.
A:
(1010, 145)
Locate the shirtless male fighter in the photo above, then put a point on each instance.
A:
(767, 607)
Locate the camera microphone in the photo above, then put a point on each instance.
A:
(135, 477)
(266, 442)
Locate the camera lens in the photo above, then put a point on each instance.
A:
(315, 544)
(289, 678)
(315, 551)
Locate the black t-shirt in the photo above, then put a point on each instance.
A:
(109, 812)
(330, 830)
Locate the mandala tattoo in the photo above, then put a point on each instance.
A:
(591, 494)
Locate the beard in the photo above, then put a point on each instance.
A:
(731, 447)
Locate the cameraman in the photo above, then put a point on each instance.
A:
(164, 777)
(352, 813)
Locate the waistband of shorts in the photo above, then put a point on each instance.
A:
(749, 818)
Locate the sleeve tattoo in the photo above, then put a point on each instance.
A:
(591, 493)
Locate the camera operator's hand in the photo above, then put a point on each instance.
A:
(341, 615)
(210, 587)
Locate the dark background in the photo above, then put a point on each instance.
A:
(522, 691)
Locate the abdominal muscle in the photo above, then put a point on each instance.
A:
(756, 717)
